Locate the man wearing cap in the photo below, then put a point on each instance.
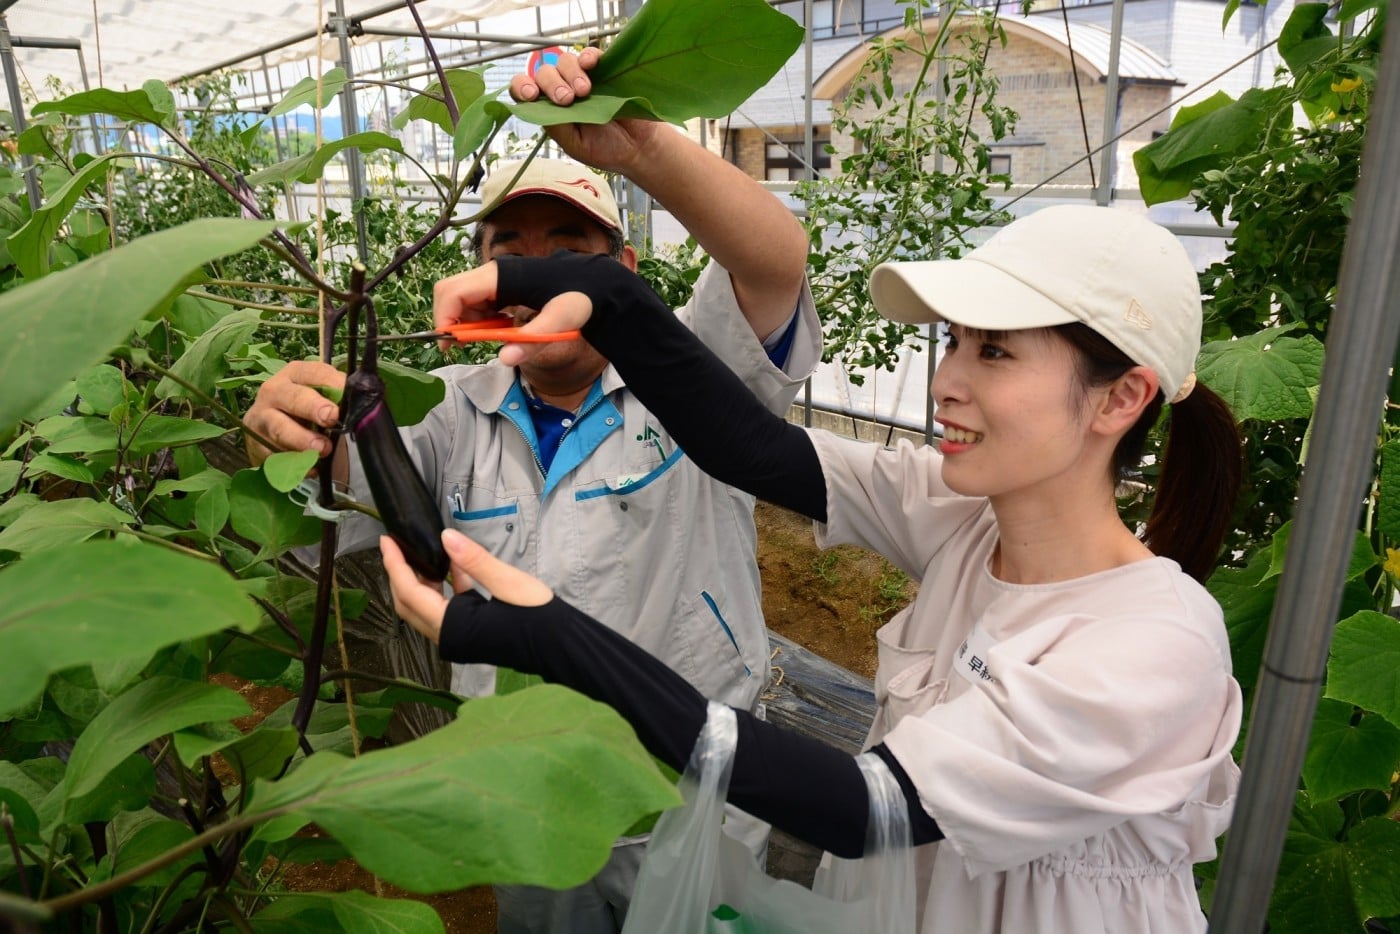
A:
(555, 466)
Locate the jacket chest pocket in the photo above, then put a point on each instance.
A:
(497, 523)
(639, 496)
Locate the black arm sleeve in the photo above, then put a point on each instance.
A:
(711, 413)
(803, 786)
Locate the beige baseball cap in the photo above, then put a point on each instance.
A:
(1117, 272)
(574, 182)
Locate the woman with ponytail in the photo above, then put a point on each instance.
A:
(1057, 703)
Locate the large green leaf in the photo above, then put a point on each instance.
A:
(102, 388)
(537, 785)
(258, 754)
(152, 709)
(150, 841)
(68, 434)
(1305, 36)
(1312, 892)
(58, 326)
(350, 912)
(304, 92)
(411, 393)
(61, 522)
(1325, 884)
(1364, 668)
(1363, 559)
(127, 787)
(152, 104)
(1204, 136)
(330, 728)
(205, 360)
(286, 469)
(154, 432)
(1347, 753)
(678, 59)
(478, 121)
(29, 246)
(105, 600)
(266, 517)
(467, 87)
(1247, 599)
(308, 167)
(1266, 375)
(58, 465)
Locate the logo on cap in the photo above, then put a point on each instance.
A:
(1137, 315)
(584, 184)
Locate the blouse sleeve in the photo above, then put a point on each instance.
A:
(1082, 726)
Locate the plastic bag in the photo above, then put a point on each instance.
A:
(696, 879)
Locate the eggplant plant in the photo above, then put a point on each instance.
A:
(146, 576)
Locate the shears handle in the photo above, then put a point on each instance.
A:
(502, 328)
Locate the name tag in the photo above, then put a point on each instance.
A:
(971, 662)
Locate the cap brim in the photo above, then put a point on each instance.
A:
(964, 291)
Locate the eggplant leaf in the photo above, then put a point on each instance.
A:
(58, 326)
(106, 600)
(678, 59)
(503, 769)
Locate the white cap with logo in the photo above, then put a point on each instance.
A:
(573, 182)
(1124, 276)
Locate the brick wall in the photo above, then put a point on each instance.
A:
(1038, 83)
(747, 147)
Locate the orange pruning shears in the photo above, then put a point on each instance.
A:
(500, 328)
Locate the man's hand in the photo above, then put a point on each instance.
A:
(288, 406)
(422, 605)
(610, 147)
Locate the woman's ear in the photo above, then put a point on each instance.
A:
(628, 257)
(1123, 404)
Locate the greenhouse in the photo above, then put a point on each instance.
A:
(997, 537)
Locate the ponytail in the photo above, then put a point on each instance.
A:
(1202, 463)
(1197, 485)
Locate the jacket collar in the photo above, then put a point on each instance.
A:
(486, 385)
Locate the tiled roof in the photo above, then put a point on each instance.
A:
(1091, 46)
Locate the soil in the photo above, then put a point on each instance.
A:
(830, 602)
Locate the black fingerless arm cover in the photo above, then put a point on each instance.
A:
(708, 410)
(801, 785)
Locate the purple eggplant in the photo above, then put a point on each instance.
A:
(405, 505)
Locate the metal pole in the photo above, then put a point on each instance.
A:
(538, 42)
(354, 165)
(98, 143)
(940, 97)
(1108, 155)
(1360, 350)
(7, 59)
(808, 158)
(638, 201)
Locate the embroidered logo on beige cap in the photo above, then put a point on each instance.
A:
(1137, 315)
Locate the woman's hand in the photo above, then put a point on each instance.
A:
(422, 605)
(471, 295)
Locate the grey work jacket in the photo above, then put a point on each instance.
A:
(624, 526)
